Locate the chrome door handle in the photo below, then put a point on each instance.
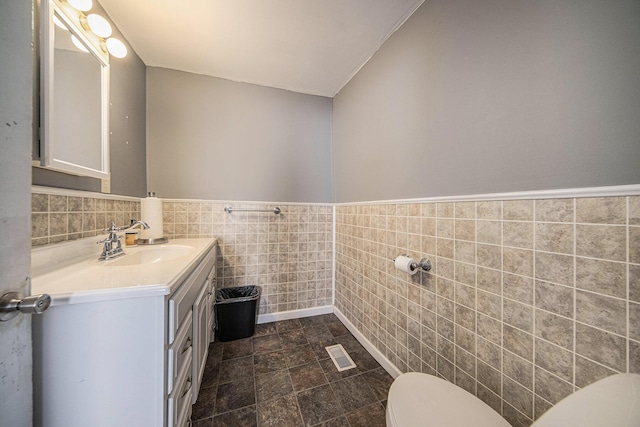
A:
(13, 303)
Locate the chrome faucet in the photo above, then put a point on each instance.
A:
(112, 245)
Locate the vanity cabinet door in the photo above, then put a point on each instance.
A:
(201, 334)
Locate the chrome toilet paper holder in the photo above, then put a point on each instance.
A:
(424, 264)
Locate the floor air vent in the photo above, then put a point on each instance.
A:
(340, 357)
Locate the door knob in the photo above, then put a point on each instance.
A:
(13, 303)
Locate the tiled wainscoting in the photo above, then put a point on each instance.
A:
(290, 256)
(527, 299)
(59, 217)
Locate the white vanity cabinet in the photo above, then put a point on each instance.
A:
(128, 358)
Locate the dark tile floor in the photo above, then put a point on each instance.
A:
(283, 376)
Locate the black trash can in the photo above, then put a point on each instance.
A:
(236, 312)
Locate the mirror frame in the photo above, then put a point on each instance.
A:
(49, 147)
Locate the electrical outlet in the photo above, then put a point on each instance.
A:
(106, 185)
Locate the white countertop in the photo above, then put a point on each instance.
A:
(71, 273)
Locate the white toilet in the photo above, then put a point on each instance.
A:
(422, 400)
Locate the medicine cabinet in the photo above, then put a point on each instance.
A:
(74, 95)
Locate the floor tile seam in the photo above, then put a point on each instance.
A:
(228, 412)
(295, 395)
(348, 378)
(331, 419)
(346, 413)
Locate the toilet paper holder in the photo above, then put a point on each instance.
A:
(424, 264)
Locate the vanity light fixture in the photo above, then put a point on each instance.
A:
(81, 5)
(99, 26)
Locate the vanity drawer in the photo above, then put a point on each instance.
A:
(182, 300)
(179, 353)
(179, 402)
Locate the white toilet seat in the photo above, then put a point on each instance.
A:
(422, 400)
(611, 402)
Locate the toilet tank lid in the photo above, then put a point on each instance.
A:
(417, 399)
(610, 402)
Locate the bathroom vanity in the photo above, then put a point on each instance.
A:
(125, 341)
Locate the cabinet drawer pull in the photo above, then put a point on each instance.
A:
(187, 344)
(187, 387)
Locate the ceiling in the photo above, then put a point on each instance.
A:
(307, 46)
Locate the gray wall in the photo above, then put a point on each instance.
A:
(471, 97)
(127, 131)
(210, 138)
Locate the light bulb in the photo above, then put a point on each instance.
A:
(81, 5)
(78, 44)
(99, 26)
(116, 48)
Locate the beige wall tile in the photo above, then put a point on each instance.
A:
(634, 321)
(518, 234)
(445, 210)
(517, 261)
(517, 315)
(57, 203)
(518, 288)
(39, 225)
(601, 210)
(557, 299)
(489, 232)
(634, 356)
(74, 204)
(634, 282)
(39, 202)
(634, 210)
(554, 210)
(58, 223)
(605, 277)
(489, 280)
(517, 210)
(465, 251)
(518, 396)
(555, 329)
(489, 256)
(446, 228)
(554, 268)
(552, 237)
(601, 346)
(489, 304)
(602, 311)
(634, 245)
(550, 387)
(587, 371)
(489, 210)
(465, 229)
(518, 342)
(465, 210)
(518, 369)
(554, 359)
(601, 241)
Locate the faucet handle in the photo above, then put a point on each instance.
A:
(113, 228)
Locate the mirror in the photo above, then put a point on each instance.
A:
(75, 95)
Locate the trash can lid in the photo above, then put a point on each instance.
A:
(237, 294)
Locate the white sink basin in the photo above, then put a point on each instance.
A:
(71, 273)
(150, 255)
